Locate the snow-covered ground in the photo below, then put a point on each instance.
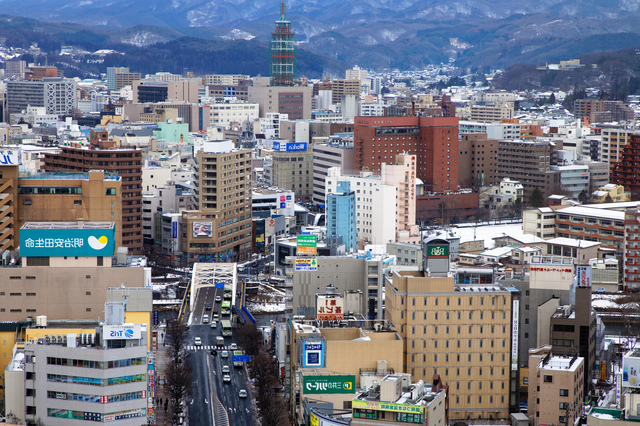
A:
(266, 300)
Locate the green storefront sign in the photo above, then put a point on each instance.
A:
(437, 251)
(67, 242)
(307, 240)
(329, 384)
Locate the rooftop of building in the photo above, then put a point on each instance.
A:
(80, 224)
(597, 212)
(559, 363)
(66, 175)
(570, 242)
(418, 394)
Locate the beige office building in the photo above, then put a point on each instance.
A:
(462, 333)
(339, 88)
(221, 227)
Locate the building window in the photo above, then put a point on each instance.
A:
(564, 392)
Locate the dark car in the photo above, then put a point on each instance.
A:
(207, 306)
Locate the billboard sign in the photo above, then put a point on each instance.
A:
(438, 251)
(313, 354)
(307, 264)
(122, 331)
(631, 371)
(289, 147)
(514, 334)
(307, 245)
(202, 229)
(9, 157)
(584, 276)
(329, 308)
(174, 230)
(67, 242)
(387, 406)
(329, 384)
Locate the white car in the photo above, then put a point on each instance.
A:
(224, 354)
(226, 378)
(225, 368)
(214, 324)
(205, 319)
(197, 341)
(233, 346)
(243, 393)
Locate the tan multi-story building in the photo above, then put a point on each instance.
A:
(292, 100)
(127, 163)
(94, 196)
(340, 88)
(461, 332)
(491, 113)
(292, 168)
(555, 388)
(221, 227)
(225, 79)
(477, 160)
(363, 353)
(91, 196)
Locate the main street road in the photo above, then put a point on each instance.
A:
(207, 369)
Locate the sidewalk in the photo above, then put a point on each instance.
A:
(162, 416)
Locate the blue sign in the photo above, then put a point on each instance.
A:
(219, 285)
(155, 318)
(67, 242)
(174, 229)
(244, 358)
(313, 354)
(300, 146)
(283, 205)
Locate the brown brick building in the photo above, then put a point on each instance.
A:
(434, 140)
(127, 163)
(477, 160)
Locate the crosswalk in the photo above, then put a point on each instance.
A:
(208, 348)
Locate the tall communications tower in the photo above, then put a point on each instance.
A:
(283, 53)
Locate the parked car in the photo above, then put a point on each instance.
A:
(600, 290)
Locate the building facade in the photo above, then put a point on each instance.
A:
(341, 216)
(127, 163)
(433, 140)
(57, 95)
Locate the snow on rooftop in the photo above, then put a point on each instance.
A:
(593, 212)
(489, 232)
(563, 241)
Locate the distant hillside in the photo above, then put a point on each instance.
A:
(615, 74)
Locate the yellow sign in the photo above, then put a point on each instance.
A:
(307, 251)
(314, 420)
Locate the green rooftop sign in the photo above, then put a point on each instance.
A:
(307, 240)
(438, 251)
(329, 384)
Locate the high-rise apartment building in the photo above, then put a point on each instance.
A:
(38, 73)
(529, 163)
(127, 163)
(624, 171)
(433, 140)
(57, 95)
(597, 111)
(283, 53)
(225, 79)
(295, 101)
(491, 113)
(631, 248)
(221, 227)
(119, 77)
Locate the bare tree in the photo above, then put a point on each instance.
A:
(176, 339)
(264, 372)
(179, 384)
(250, 338)
(273, 411)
